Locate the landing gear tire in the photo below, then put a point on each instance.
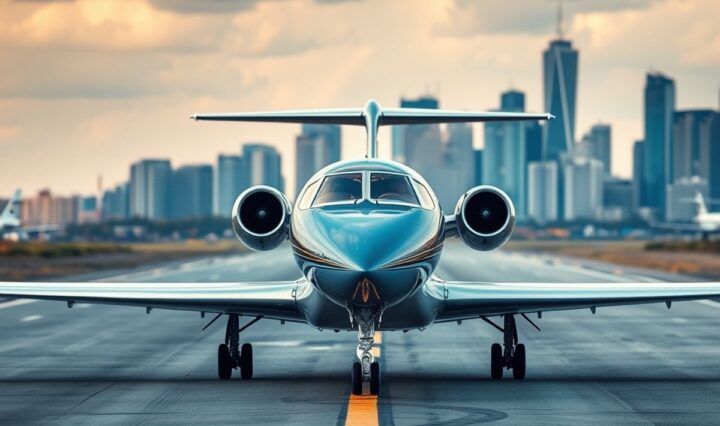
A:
(246, 361)
(496, 361)
(225, 362)
(374, 378)
(356, 379)
(518, 362)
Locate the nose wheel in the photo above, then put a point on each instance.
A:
(510, 356)
(365, 371)
(231, 355)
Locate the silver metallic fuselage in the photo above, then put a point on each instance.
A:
(367, 254)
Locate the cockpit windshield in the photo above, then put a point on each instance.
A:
(340, 188)
(392, 188)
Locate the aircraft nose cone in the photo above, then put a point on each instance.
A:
(366, 242)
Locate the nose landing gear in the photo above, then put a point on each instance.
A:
(366, 370)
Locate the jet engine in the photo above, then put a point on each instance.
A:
(261, 217)
(485, 218)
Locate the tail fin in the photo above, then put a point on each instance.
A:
(11, 212)
(372, 116)
(699, 200)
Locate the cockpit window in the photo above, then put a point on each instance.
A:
(340, 188)
(426, 200)
(308, 195)
(389, 188)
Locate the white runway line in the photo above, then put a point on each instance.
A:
(18, 302)
(712, 303)
(31, 318)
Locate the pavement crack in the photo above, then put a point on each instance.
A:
(92, 395)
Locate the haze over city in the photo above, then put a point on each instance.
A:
(92, 86)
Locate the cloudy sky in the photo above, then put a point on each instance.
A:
(89, 86)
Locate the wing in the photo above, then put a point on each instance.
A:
(474, 299)
(328, 116)
(395, 116)
(269, 299)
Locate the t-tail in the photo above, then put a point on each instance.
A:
(373, 116)
(699, 201)
(10, 215)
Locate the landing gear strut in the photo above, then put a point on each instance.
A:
(511, 356)
(366, 370)
(231, 355)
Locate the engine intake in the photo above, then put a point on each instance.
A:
(485, 218)
(261, 217)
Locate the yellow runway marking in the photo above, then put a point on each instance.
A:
(363, 409)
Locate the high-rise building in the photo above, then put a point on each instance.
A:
(398, 132)
(87, 209)
(478, 167)
(638, 170)
(583, 181)
(116, 203)
(505, 164)
(231, 177)
(560, 75)
(680, 195)
(696, 146)
(657, 167)
(316, 147)
(618, 199)
(150, 189)
(47, 209)
(542, 191)
(598, 143)
(458, 167)
(191, 192)
(560, 71)
(264, 165)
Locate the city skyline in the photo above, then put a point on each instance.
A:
(87, 105)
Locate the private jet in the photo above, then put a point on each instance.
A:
(703, 223)
(367, 236)
(10, 226)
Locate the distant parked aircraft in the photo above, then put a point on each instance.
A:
(10, 220)
(704, 222)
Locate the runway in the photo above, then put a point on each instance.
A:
(115, 365)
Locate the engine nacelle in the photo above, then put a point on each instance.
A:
(261, 217)
(484, 217)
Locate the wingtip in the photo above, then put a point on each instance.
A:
(550, 117)
(193, 117)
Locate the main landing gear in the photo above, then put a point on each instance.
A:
(511, 356)
(231, 355)
(366, 370)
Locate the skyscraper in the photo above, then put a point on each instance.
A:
(657, 167)
(695, 140)
(598, 142)
(264, 165)
(478, 167)
(150, 189)
(504, 161)
(680, 208)
(191, 192)
(116, 203)
(398, 132)
(710, 153)
(560, 75)
(542, 191)
(316, 147)
(560, 71)
(638, 170)
(583, 181)
(230, 179)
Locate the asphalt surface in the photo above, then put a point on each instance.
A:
(117, 365)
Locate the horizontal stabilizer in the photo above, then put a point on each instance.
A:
(372, 116)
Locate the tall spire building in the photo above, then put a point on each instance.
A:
(560, 72)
